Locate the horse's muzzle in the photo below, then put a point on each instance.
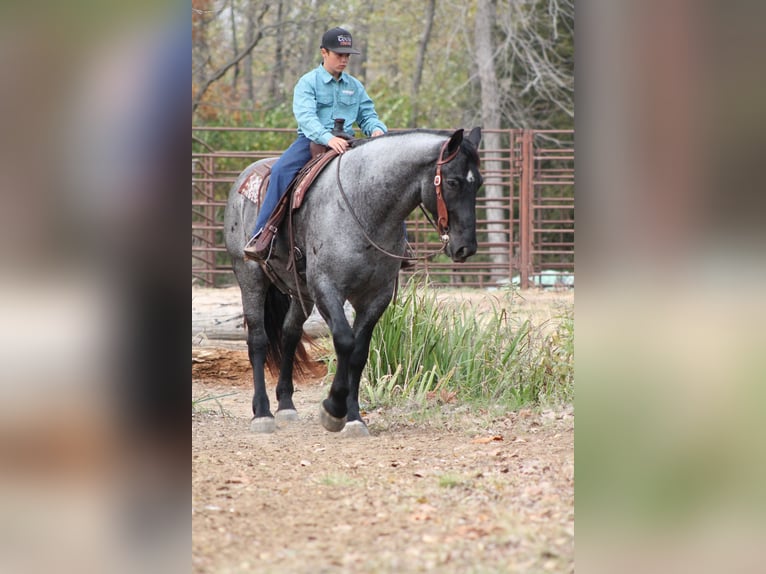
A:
(461, 253)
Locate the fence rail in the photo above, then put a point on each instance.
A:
(525, 230)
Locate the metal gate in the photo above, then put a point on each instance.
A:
(525, 236)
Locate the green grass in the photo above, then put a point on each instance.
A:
(451, 481)
(197, 408)
(337, 480)
(424, 351)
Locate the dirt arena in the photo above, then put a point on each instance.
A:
(448, 489)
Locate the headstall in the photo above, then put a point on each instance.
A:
(442, 222)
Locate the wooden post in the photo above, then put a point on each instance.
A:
(525, 208)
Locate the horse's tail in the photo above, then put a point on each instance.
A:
(276, 306)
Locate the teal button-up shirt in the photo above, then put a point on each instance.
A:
(318, 99)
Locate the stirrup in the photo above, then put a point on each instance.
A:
(258, 248)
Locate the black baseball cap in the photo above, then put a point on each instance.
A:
(338, 40)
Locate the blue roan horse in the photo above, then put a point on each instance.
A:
(364, 199)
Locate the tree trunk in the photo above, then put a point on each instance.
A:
(220, 72)
(497, 235)
(201, 47)
(275, 85)
(421, 56)
(235, 44)
(361, 32)
(249, 35)
(312, 31)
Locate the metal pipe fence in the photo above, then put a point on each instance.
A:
(525, 231)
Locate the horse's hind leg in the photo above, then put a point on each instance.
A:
(253, 286)
(292, 332)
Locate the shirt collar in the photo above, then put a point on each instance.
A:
(326, 76)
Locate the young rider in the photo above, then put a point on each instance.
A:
(321, 96)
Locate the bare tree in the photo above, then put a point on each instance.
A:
(491, 116)
(361, 33)
(421, 56)
(536, 57)
(234, 43)
(202, 17)
(221, 71)
(275, 85)
(313, 31)
(526, 44)
(248, 60)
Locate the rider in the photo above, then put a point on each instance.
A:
(321, 96)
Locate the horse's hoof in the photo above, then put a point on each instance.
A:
(263, 425)
(355, 429)
(330, 422)
(286, 416)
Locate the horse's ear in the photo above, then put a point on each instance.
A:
(475, 136)
(454, 141)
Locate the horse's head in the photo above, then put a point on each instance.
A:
(457, 182)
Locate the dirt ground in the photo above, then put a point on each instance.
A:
(449, 489)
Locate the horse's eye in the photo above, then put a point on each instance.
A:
(453, 183)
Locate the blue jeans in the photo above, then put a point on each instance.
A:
(282, 173)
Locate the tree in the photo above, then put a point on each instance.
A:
(218, 73)
(275, 86)
(428, 25)
(411, 71)
(535, 58)
(490, 115)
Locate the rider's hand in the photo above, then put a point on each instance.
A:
(377, 133)
(338, 144)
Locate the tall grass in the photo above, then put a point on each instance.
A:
(425, 349)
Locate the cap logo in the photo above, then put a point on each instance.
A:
(344, 41)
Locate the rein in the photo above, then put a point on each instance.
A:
(442, 224)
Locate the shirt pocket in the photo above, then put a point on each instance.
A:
(324, 101)
(348, 106)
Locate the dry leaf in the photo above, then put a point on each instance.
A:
(487, 439)
(444, 396)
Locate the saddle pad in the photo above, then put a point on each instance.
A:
(251, 187)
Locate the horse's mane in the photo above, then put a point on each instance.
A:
(466, 146)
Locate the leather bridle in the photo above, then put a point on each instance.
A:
(442, 221)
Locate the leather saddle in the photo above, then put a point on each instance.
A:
(255, 186)
(296, 192)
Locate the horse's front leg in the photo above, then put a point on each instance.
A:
(334, 408)
(355, 426)
(363, 327)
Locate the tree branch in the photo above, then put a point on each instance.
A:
(218, 74)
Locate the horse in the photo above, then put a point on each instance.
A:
(346, 236)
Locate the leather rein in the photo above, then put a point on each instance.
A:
(442, 221)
